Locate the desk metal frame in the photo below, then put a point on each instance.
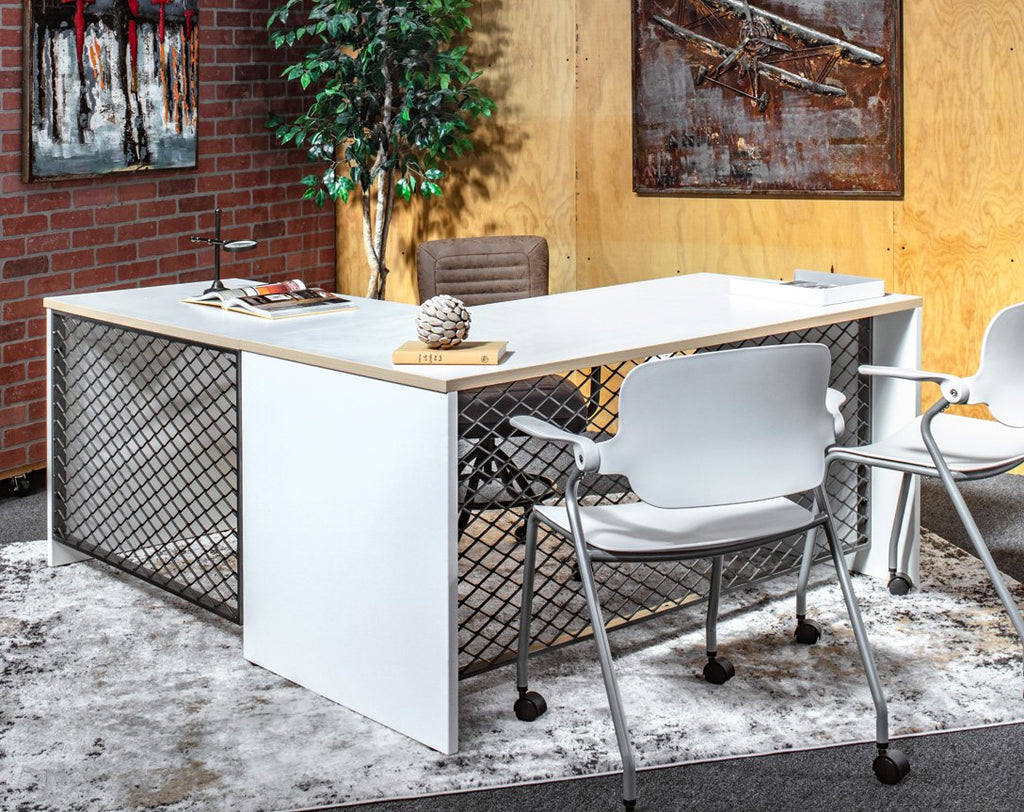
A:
(145, 472)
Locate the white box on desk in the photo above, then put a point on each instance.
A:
(811, 287)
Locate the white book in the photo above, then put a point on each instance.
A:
(811, 288)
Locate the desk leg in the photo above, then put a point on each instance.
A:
(348, 542)
(896, 341)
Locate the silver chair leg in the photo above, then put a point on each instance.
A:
(981, 548)
(899, 580)
(890, 766)
(611, 686)
(711, 626)
(526, 604)
(807, 631)
(968, 521)
(530, 704)
(805, 573)
(718, 669)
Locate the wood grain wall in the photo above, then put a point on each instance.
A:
(959, 231)
(519, 178)
(556, 161)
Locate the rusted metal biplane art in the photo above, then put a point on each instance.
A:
(761, 50)
(807, 97)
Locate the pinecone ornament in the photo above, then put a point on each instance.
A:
(443, 322)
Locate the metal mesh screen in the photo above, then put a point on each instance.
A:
(500, 473)
(145, 457)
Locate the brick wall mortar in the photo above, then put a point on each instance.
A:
(123, 230)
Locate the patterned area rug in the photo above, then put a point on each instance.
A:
(114, 695)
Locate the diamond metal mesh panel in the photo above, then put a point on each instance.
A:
(501, 473)
(145, 457)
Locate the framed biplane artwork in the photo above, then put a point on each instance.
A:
(798, 98)
(109, 86)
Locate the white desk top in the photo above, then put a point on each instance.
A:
(546, 334)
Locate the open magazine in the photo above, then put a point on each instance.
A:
(276, 300)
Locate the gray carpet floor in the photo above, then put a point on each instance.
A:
(968, 770)
(23, 518)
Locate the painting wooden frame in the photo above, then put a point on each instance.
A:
(796, 98)
(109, 86)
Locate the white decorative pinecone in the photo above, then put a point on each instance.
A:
(443, 322)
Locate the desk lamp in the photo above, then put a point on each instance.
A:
(218, 243)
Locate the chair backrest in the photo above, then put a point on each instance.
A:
(482, 270)
(999, 381)
(723, 427)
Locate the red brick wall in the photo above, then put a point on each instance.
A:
(126, 231)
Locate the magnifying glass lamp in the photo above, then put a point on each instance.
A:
(218, 244)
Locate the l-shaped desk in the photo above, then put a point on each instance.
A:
(289, 475)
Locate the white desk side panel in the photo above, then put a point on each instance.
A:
(896, 341)
(348, 542)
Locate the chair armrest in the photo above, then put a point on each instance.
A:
(954, 389)
(585, 451)
(834, 399)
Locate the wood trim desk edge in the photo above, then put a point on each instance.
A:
(891, 303)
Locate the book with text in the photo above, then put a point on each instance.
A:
(468, 352)
(276, 300)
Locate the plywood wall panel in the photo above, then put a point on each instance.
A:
(960, 228)
(771, 238)
(621, 237)
(520, 177)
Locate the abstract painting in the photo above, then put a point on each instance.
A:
(109, 86)
(801, 97)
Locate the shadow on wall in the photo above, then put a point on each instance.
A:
(473, 177)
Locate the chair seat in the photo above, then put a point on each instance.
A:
(638, 528)
(971, 446)
(549, 397)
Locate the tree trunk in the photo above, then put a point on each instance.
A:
(375, 230)
(375, 234)
(375, 287)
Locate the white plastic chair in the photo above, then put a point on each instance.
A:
(712, 444)
(953, 448)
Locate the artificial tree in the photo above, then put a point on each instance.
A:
(390, 98)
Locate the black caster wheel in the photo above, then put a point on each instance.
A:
(900, 584)
(519, 531)
(891, 767)
(20, 485)
(530, 706)
(719, 671)
(575, 574)
(808, 632)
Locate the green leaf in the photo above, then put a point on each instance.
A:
(428, 189)
(385, 89)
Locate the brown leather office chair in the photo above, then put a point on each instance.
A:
(483, 270)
